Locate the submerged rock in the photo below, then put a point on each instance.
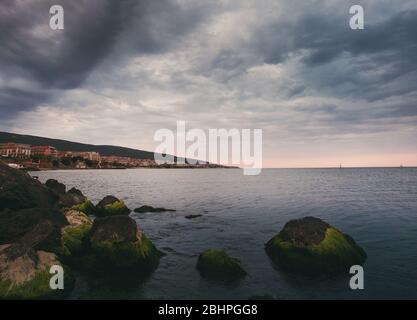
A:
(193, 216)
(110, 206)
(24, 273)
(310, 245)
(18, 190)
(144, 209)
(216, 264)
(118, 245)
(75, 234)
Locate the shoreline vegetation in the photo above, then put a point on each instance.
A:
(42, 225)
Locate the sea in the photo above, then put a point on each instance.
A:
(376, 206)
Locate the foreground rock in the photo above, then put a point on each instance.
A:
(111, 206)
(24, 273)
(18, 191)
(118, 245)
(144, 209)
(216, 264)
(310, 245)
(37, 227)
(75, 234)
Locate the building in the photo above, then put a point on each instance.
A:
(15, 150)
(45, 151)
(128, 161)
(86, 155)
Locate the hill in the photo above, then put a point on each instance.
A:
(105, 150)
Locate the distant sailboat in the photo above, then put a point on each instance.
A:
(401, 166)
(340, 166)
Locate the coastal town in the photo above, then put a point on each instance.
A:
(30, 157)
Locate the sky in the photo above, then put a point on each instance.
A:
(322, 93)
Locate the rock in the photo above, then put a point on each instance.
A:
(119, 245)
(144, 209)
(56, 186)
(216, 264)
(24, 273)
(193, 216)
(75, 234)
(110, 206)
(45, 236)
(72, 198)
(86, 207)
(310, 245)
(14, 225)
(18, 191)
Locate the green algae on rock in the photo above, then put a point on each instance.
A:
(75, 234)
(118, 245)
(24, 273)
(216, 264)
(310, 245)
(111, 206)
(87, 207)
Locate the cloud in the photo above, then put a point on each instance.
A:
(122, 69)
(63, 59)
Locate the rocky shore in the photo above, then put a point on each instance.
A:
(42, 225)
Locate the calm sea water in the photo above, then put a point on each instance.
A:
(377, 207)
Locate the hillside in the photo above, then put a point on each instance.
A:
(104, 150)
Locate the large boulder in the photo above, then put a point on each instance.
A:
(18, 190)
(310, 245)
(110, 206)
(216, 264)
(24, 273)
(35, 226)
(117, 244)
(74, 235)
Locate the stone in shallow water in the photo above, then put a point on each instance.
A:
(310, 245)
(144, 209)
(216, 264)
(110, 206)
(193, 216)
(118, 245)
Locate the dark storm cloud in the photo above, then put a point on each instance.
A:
(62, 59)
(363, 61)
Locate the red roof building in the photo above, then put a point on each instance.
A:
(46, 151)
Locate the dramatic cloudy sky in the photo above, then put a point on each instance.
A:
(321, 92)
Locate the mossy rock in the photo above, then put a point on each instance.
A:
(119, 246)
(87, 207)
(310, 245)
(75, 234)
(111, 206)
(24, 274)
(216, 264)
(140, 256)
